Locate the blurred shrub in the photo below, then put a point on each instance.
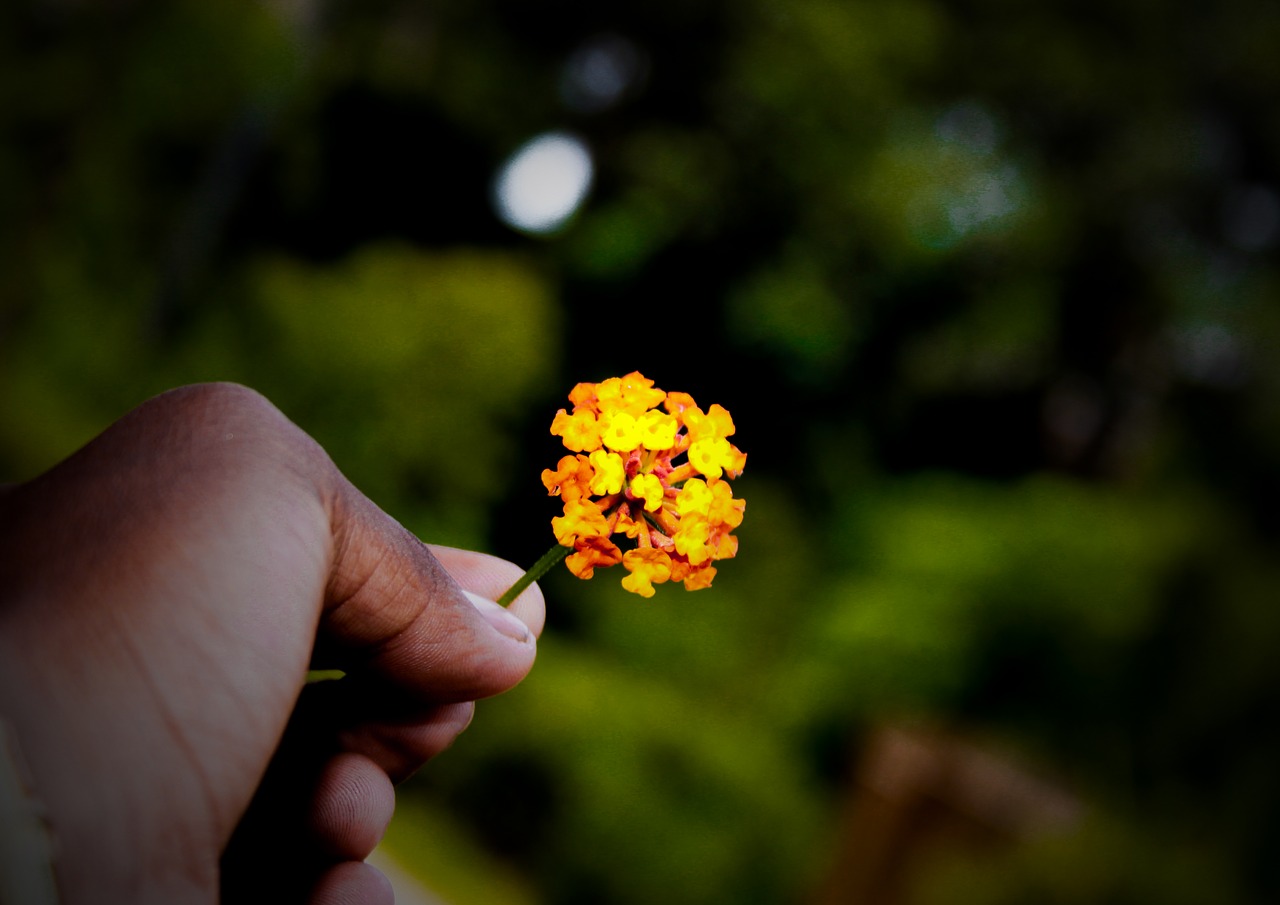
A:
(410, 368)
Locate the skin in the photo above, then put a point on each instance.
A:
(163, 593)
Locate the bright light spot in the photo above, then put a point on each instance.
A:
(987, 194)
(957, 181)
(543, 183)
(1252, 218)
(985, 197)
(1210, 354)
(971, 198)
(600, 72)
(969, 125)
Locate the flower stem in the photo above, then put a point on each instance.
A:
(544, 565)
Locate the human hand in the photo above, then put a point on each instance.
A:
(162, 594)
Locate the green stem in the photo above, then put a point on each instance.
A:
(549, 559)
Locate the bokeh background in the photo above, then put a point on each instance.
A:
(990, 289)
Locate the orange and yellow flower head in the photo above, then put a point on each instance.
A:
(653, 469)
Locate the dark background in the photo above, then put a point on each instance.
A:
(990, 290)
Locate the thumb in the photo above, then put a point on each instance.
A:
(393, 612)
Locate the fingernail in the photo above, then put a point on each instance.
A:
(500, 618)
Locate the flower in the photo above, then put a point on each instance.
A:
(650, 468)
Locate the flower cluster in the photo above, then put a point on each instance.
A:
(623, 480)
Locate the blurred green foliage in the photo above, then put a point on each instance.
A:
(990, 290)
(412, 348)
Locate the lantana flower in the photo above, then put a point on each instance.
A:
(648, 471)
